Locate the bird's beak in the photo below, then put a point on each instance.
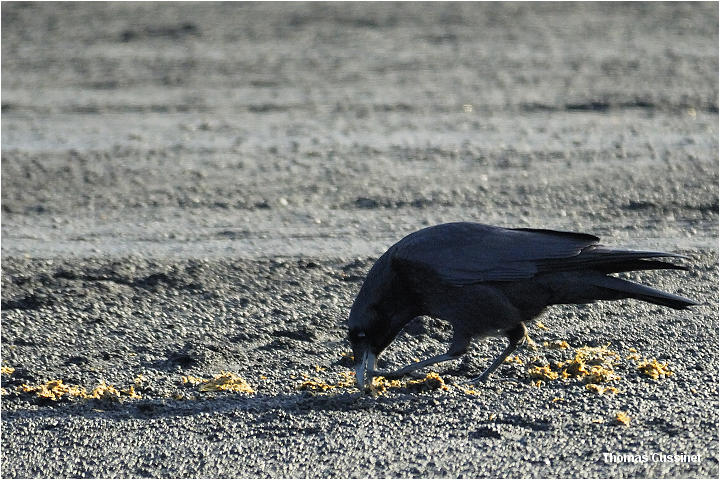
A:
(364, 367)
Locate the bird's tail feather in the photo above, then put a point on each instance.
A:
(636, 264)
(606, 260)
(628, 289)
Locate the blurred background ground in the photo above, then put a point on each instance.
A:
(169, 170)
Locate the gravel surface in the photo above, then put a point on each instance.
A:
(189, 189)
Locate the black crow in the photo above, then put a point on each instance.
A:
(487, 280)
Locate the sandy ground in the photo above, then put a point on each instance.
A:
(196, 188)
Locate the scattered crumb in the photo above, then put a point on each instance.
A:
(225, 381)
(632, 350)
(492, 416)
(633, 356)
(597, 420)
(544, 373)
(622, 417)
(316, 385)
(192, 380)
(600, 389)
(318, 368)
(380, 385)
(54, 390)
(558, 399)
(514, 359)
(4, 391)
(106, 392)
(139, 379)
(469, 391)
(432, 381)
(538, 383)
(131, 393)
(654, 369)
(5, 370)
(591, 365)
(57, 390)
(556, 345)
(541, 326)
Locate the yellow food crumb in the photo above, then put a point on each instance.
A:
(623, 418)
(192, 380)
(541, 326)
(514, 359)
(105, 392)
(558, 399)
(317, 385)
(597, 420)
(600, 389)
(634, 356)
(556, 345)
(130, 392)
(4, 391)
(591, 365)
(54, 390)
(654, 369)
(379, 386)
(632, 350)
(544, 373)
(263, 377)
(5, 370)
(469, 391)
(492, 416)
(225, 381)
(432, 381)
(538, 383)
(318, 368)
(139, 379)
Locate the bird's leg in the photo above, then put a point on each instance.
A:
(515, 336)
(458, 347)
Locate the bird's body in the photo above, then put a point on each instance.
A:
(488, 280)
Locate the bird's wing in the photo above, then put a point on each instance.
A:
(467, 253)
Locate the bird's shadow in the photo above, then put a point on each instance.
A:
(223, 404)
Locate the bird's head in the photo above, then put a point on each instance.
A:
(364, 325)
(371, 329)
(380, 311)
